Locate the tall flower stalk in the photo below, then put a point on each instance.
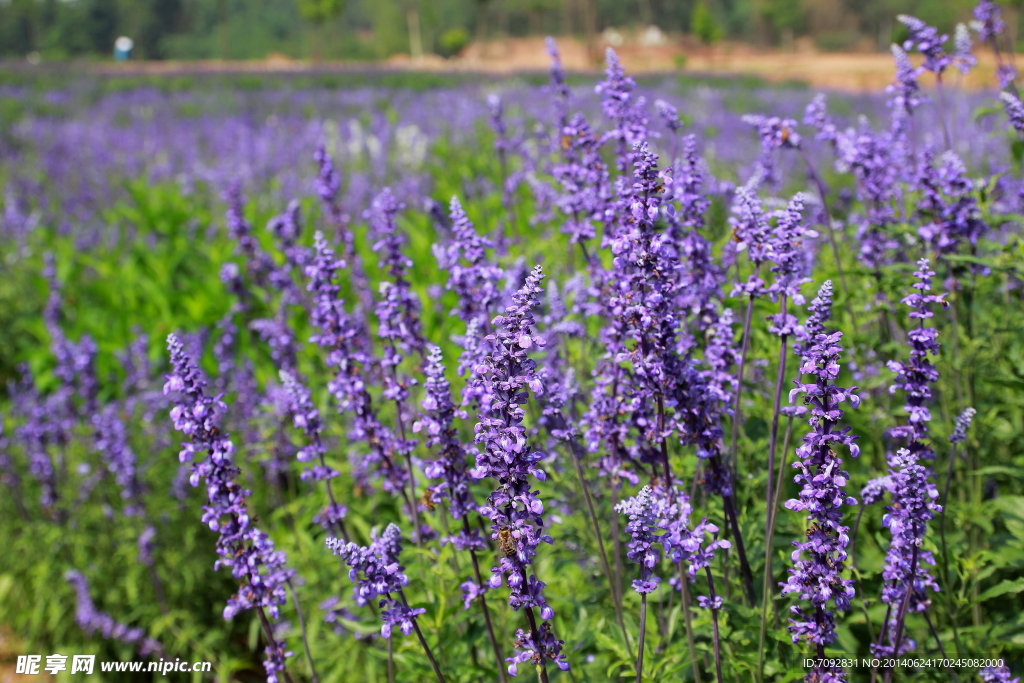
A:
(449, 470)
(247, 551)
(514, 508)
(376, 571)
(644, 551)
(816, 576)
(911, 483)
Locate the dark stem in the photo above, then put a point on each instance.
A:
(616, 598)
(730, 513)
(942, 515)
(714, 626)
(767, 594)
(423, 641)
(642, 636)
(391, 661)
(901, 617)
(483, 608)
(268, 633)
(302, 625)
(684, 588)
(736, 412)
(542, 669)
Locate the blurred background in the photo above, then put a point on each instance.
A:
(487, 33)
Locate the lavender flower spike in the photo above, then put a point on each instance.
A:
(818, 561)
(90, 620)
(514, 508)
(963, 423)
(906, 577)
(997, 674)
(642, 545)
(241, 546)
(1014, 109)
(377, 574)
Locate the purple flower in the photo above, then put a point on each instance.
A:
(514, 508)
(146, 546)
(816, 576)
(987, 21)
(1014, 109)
(997, 674)
(626, 111)
(376, 571)
(963, 56)
(90, 620)
(111, 440)
(343, 338)
(820, 312)
(915, 376)
(948, 211)
(669, 115)
(643, 543)
(397, 308)
(913, 505)
(773, 133)
(963, 423)
(904, 90)
(787, 256)
(471, 274)
(583, 176)
(557, 78)
(241, 545)
(752, 232)
(438, 422)
(537, 648)
(816, 115)
(928, 41)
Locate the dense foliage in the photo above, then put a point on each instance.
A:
(561, 385)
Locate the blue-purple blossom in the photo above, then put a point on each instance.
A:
(91, 620)
(987, 20)
(111, 440)
(773, 133)
(1014, 110)
(948, 211)
(915, 375)
(928, 41)
(816, 576)
(343, 338)
(471, 274)
(963, 54)
(515, 508)
(669, 115)
(963, 423)
(820, 312)
(786, 254)
(376, 571)
(753, 233)
(534, 648)
(997, 674)
(905, 90)
(626, 111)
(816, 115)
(643, 544)
(583, 177)
(247, 551)
(449, 469)
(906, 518)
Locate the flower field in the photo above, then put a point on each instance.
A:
(559, 380)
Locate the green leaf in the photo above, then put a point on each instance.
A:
(1011, 587)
